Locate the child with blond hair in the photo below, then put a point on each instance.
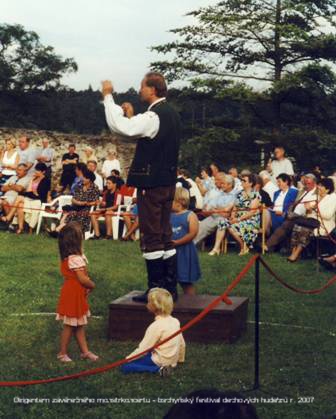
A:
(185, 228)
(167, 355)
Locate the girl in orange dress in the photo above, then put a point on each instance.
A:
(73, 308)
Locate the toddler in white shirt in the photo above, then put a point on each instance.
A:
(167, 355)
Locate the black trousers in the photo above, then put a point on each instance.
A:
(154, 207)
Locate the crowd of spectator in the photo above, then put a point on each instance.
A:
(293, 211)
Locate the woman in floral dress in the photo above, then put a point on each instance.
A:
(244, 223)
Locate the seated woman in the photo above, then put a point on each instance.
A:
(85, 196)
(244, 223)
(321, 212)
(106, 208)
(28, 203)
(9, 161)
(282, 200)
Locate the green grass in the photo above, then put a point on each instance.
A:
(294, 361)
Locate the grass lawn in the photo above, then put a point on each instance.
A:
(295, 361)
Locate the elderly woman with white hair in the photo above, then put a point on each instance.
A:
(89, 155)
(111, 163)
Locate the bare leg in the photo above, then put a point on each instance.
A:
(81, 339)
(62, 223)
(95, 224)
(128, 223)
(188, 289)
(219, 238)
(132, 230)
(108, 223)
(237, 237)
(65, 339)
(20, 215)
(296, 252)
(13, 210)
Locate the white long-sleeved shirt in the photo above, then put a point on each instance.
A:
(110, 165)
(171, 352)
(139, 126)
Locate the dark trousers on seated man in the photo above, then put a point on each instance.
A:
(154, 207)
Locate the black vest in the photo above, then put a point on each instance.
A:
(155, 160)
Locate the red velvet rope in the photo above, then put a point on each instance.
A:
(297, 290)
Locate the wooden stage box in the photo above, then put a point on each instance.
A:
(128, 320)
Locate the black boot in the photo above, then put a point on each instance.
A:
(170, 275)
(155, 275)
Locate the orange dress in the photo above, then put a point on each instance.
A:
(73, 307)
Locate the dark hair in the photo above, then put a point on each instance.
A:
(72, 145)
(184, 172)
(81, 166)
(70, 240)
(41, 167)
(156, 80)
(89, 175)
(251, 178)
(116, 171)
(258, 180)
(328, 184)
(207, 170)
(285, 178)
(231, 405)
(279, 146)
(22, 165)
(113, 179)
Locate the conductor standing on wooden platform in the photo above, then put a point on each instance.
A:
(153, 173)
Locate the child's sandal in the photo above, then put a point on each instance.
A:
(89, 355)
(64, 358)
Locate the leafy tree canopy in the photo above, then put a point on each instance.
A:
(26, 64)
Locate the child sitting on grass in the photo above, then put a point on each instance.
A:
(73, 307)
(166, 356)
(185, 228)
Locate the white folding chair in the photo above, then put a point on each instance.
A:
(59, 203)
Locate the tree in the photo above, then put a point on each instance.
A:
(26, 64)
(236, 38)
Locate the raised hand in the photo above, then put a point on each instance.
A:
(107, 88)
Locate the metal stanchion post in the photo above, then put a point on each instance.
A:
(256, 326)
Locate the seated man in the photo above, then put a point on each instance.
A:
(13, 187)
(218, 206)
(298, 210)
(92, 166)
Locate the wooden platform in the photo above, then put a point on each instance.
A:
(128, 320)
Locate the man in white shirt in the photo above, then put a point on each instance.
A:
(234, 173)
(46, 155)
(14, 185)
(92, 166)
(268, 185)
(153, 172)
(280, 164)
(27, 155)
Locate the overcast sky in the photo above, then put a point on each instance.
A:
(107, 39)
